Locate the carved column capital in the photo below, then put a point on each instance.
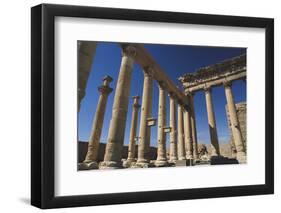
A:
(104, 89)
(207, 88)
(161, 85)
(136, 101)
(189, 93)
(129, 50)
(107, 79)
(172, 95)
(227, 83)
(149, 71)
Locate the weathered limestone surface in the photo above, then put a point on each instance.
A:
(86, 52)
(94, 140)
(181, 144)
(212, 122)
(193, 127)
(237, 135)
(173, 134)
(133, 130)
(115, 140)
(83, 148)
(241, 111)
(161, 135)
(188, 135)
(144, 132)
(215, 75)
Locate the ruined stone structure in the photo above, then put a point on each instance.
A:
(241, 110)
(221, 74)
(182, 128)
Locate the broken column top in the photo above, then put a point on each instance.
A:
(106, 80)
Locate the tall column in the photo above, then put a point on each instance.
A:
(86, 52)
(212, 123)
(187, 134)
(133, 130)
(94, 141)
(236, 132)
(173, 133)
(181, 145)
(146, 107)
(193, 126)
(161, 135)
(116, 132)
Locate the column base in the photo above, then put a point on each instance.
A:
(173, 160)
(143, 163)
(129, 163)
(185, 162)
(88, 165)
(110, 165)
(241, 157)
(161, 163)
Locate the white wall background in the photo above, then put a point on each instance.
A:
(15, 105)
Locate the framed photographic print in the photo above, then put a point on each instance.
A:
(140, 106)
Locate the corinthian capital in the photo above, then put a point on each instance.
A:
(129, 50)
(227, 83)
(149, 71)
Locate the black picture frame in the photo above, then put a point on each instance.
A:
(43, 102)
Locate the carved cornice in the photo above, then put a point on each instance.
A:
(216, 71)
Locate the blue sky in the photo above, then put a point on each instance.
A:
(176, 61)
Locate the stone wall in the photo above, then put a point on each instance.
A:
(241, 109)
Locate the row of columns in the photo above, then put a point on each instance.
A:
(183, 138)
(235, 128)
(113, 152)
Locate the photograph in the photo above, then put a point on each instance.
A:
(160, 105)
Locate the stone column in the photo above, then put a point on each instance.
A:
(236, 132)
(161, 135)
(212, 123)
(133, 130)
(86, 52)
(116, 132)
(144, 132)
(187, 134)
(181, 145)
(94, 141)
(173, 133)
(193, 126)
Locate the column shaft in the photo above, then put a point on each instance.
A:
(144, 132)
(133, 130)
(181, 144)
(115, 140)
(188, 135)
(94, 141)
(193, 127)
(173, 133)
(86, 52)
(212, 123)
(161, 135)
(236, 132)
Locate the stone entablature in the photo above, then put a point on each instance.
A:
(151, 67)
(215, 75)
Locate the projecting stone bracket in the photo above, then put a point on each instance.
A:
(151, 122)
